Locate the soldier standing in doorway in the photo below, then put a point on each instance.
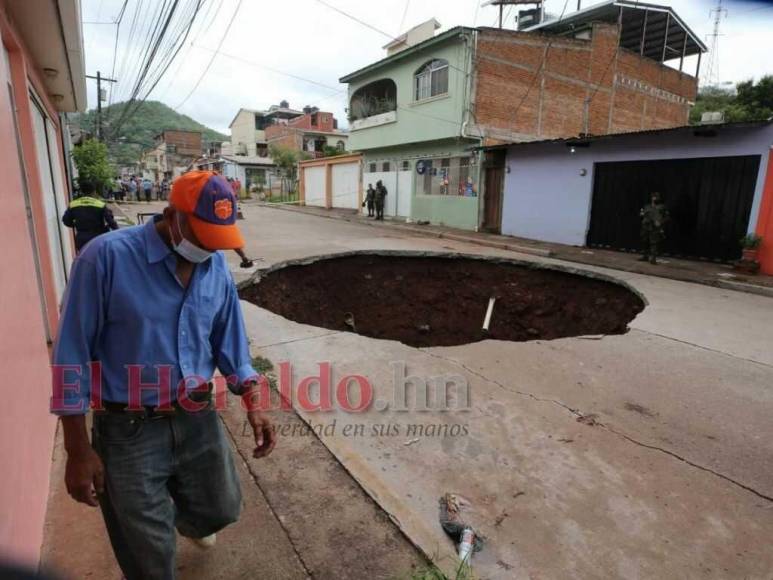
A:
(381, 193)
(653, 221)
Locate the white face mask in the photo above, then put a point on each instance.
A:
(189, 250)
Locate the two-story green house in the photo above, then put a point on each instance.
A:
(408, 117)
(419, 115)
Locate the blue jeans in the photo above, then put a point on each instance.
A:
(161, 474)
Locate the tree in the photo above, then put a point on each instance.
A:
(330, 151)
(747, 102)
(92, 164)
(286, 160)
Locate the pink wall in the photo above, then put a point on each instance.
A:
(26, 428)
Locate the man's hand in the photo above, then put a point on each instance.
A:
(85, 476)
(265, 435)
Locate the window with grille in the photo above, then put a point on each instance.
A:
(372, 168)
(386, 166)
(447, 176)
(431, 80)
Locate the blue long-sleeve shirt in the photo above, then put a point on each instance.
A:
(125, 309)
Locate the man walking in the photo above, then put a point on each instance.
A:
(381, 193)
(653, 221)
(154, 309)
(89, 216)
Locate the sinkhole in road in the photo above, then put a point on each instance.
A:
(442, 299)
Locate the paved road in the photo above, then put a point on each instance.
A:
(674, 479)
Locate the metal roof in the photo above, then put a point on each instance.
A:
(704, 130)
(652, 30)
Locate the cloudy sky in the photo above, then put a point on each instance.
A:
(298, 49)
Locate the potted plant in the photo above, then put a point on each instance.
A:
(750, 244)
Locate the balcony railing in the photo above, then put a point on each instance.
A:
(374, 121)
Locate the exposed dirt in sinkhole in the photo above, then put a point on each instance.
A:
(442, 301)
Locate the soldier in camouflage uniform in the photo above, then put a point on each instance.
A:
(653, 221)
(381, 193)
(370, 200)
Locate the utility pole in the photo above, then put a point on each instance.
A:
(100, 97)
(712, 70)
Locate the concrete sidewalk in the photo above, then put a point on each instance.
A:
(302, 514)
(708, 273)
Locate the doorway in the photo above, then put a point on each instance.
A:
(709, 201)
(492, 200)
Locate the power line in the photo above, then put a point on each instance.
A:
(206, 23)
(540, 68)
(274, 70)
(118, 21)
(214, 56)
(352, 17)
(165, 42)
(405, 13)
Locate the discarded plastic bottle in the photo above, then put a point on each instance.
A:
(467, 544)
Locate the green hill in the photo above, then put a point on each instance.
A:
(138, 132)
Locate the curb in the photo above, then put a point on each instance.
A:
(540, 252)
(744, 287)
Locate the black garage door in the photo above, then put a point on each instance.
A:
(709, 200)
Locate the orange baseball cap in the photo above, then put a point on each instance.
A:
(210, 206)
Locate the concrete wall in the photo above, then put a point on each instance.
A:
(28, 301)
(404, 196)
(547, 198)
(243, 132)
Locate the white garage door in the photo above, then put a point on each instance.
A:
(314, 184)
(346, 183)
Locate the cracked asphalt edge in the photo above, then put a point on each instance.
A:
(577, 413)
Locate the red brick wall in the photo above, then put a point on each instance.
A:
(517, 97)
(285, 136)
(187, 142)
(314, 122)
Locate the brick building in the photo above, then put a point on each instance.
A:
(173, 152)
(419, 115)
(583, 87)
(310, 132)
